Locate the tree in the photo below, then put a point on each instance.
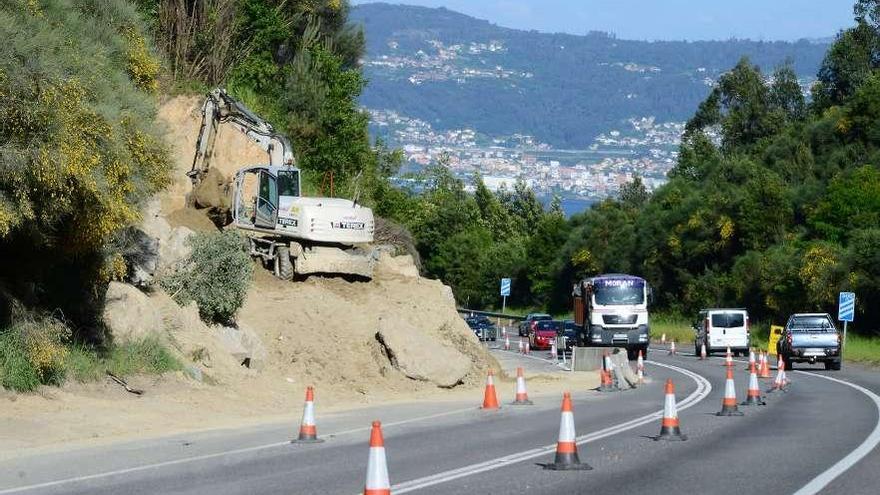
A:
(847, 65)
(634, 194)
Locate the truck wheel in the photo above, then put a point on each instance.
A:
(283, 263)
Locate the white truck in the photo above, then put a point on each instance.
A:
(612, 310)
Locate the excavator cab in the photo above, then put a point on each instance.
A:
(264, 198)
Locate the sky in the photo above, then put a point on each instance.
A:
(662, 19)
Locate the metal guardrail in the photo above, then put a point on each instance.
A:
(492, 314)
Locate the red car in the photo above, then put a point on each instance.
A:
(543, 334)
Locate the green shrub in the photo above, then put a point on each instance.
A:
(33, 352)
(216, 276)
(147, 356)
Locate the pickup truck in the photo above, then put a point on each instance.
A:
(810, 337)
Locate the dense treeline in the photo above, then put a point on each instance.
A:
(581, 86)
(779, 216)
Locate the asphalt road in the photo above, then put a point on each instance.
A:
(456, 448)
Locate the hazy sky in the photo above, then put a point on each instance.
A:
(662, 19)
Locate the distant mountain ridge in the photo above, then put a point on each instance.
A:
(455, 71)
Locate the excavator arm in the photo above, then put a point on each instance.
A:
(220, 108)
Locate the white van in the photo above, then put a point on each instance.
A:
(722, 328)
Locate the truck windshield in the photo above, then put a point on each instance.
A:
(804, 323)
(288, 183)
(610, 295)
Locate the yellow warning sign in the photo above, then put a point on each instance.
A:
(775, 335)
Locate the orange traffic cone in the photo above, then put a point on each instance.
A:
(753, 396)
(728, 404)
(566, 447)
(308, 433)
(669, 429)
(751, 360)
(522, 397)
(528, 347)
(607, 375)
(765, 367)
(377, 469)
(779, 382)
(703, 351)
(506, 343)
(490, 400)
(522, 349)
(672, 348)
(640, 368)
(728, 359)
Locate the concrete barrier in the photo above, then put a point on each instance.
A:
(590, 359)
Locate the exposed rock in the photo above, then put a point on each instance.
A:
(129, 314)
(173, 248)
(212, 191)
(244, 345)
(419, 356)
(402, 266)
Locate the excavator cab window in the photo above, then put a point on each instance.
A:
(267, 201)
(288, 183)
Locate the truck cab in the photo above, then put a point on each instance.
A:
(612, 311)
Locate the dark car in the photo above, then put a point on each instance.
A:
(810, 337)
(482, 327)
(527, 325)
(544, 333)
(569, 331)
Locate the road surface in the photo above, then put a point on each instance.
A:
(801, 440)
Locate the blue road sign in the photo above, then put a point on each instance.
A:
(505, 286)
(846, 310)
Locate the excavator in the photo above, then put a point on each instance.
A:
(292, 234)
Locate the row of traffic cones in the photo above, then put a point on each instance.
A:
(566, 455)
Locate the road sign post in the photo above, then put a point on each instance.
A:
(505, 291)
(846, 310)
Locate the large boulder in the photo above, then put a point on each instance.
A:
(129, 314)
(244, 345)
(173, 247)
(389, 265)
(420, 356)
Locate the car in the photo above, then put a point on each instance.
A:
(720, 328)
(482, 327)
(528, 323)
(544, 333)
(812, 338)
(569, 331)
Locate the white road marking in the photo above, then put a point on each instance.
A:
(146, 467)
(702, 391)
(819, 482)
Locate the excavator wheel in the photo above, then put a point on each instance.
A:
(283, 263)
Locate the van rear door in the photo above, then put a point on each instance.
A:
(728, 329)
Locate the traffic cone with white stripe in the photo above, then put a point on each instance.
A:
(308, 433)
(778, 383)
(607, 375)
(566, 447)
(663, 339)
(765, 367)
(672, 348)
(728, 404)
(521, 348)
(751, 360)
(377, 468)
(522, 397)
(669, 429)
(506, 343)
(528, 347)
(728, 358)
(553, 353)
(753, 396)
(640, 368)
(703, 351)
(490, 399)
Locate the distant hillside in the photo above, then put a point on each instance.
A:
(456, 71)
